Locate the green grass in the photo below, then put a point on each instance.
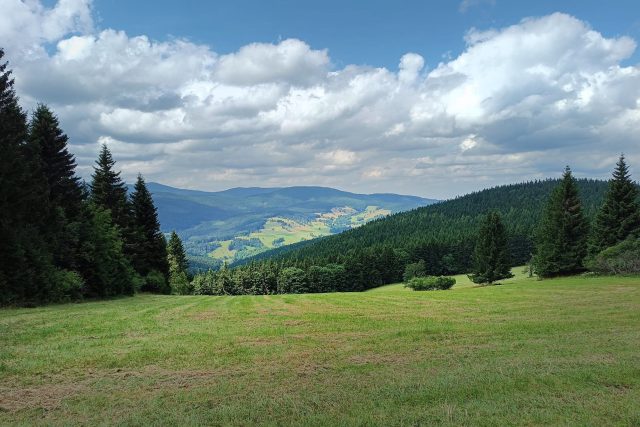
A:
(529, 352)
(462, 281)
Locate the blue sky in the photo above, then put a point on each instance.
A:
(433, 98)
(372, 32)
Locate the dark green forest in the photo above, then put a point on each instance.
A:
(441, 236)
(62, 239)
(451, 223)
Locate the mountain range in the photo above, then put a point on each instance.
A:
(442, 234)
(230, 225)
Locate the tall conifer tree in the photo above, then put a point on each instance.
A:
(563, 232)
(25, 262)
(177, 256)
(61, 185)
(108, 191)
(491, 257)
(13, 130)
(619, 216)
(150, 248)
(178, 266)
(58, 165)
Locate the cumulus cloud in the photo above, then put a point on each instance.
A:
(290, 61)
(27, 25)
(410, 66)
(338, 159)
(517, 103)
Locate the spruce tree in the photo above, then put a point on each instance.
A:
(491, 257)
(150, 247)
(13, 131)
(177, 257)
(109, 192)
(619, 216)
(26, 271)
(178, 266)
(105, 268)
(58, 165)
(562, 233)
(62, 187)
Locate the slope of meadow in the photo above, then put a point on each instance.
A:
(553, 352)
(281, 231)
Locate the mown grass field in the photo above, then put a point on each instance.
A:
(528, 352)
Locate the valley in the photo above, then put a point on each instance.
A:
(232, 225)
(280, 231)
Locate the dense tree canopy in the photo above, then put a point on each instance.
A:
(440, 239)
(57, 242)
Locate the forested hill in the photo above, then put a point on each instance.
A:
(443, 234)
(230, 225)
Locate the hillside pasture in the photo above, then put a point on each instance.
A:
(555, 352)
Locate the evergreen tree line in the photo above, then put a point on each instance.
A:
(542, 223)
(565, 242)
(440, 239)
(568, 243)
(61, 239)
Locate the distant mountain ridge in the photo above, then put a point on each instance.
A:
(244, 221)
(442, 234)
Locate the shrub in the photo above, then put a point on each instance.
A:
(416, 269)
(67, 285)
(138, 282)
(203, 284)
(623, 258)
(156, 282)
(292, 280)
(431, 283)
(180, 284)
(326, 278)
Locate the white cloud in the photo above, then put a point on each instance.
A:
(410, 66)
(290, 61)
(519, 102)
(26, 25)
(468, 143)
(338, 159)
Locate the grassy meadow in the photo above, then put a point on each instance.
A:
(556, 352)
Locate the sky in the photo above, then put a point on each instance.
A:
(432, 98)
